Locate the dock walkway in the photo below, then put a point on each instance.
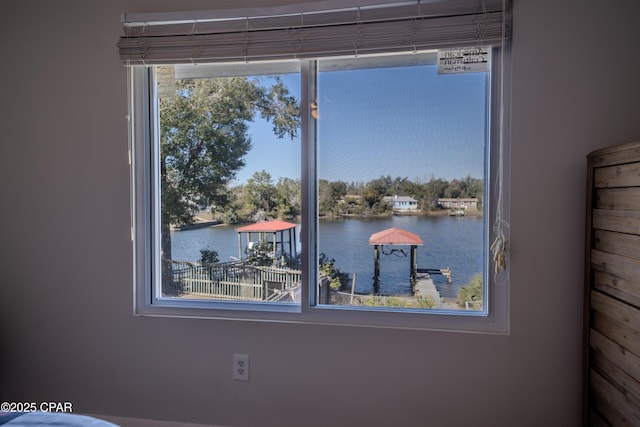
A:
(425, 288)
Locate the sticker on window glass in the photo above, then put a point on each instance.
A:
(463, 60)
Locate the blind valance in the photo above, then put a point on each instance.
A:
(350, 31)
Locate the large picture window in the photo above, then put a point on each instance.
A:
(331, 187)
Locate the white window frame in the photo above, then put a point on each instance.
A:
(145, 226)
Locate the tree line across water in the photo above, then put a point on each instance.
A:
(263, 198)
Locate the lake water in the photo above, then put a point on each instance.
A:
(449, 242)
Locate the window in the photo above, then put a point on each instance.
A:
(343, 183)
(227, 172)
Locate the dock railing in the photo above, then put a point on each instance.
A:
(230, 281)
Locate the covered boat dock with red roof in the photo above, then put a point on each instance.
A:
(264, 229)
(395, 236)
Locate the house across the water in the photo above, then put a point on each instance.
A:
(401, 203)
(459, 203)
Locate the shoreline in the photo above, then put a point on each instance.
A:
(198, 223)
(440, 212)
(202, 222)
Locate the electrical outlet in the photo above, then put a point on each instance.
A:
(241, 367)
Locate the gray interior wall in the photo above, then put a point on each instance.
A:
(66, 327)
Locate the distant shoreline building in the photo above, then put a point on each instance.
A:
(458, 203)
(401, 203)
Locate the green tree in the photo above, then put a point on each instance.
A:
(473, 188)
(338, 189)
(325, 201)
(329, 196)
(209, 256)
(376, 189)
(433, 190)
(454, 190)
(260, 195)
(403, 187)
(289, 198)
(203, 141)
(355, 188)
(327, 268)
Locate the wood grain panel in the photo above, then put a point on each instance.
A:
(618, 355)
(617, 332)
(618, 198)
(616, 265)
(617, 378)
(627, 175)
(621, 221)
(621, 289)
(627, 245)
(619, 154)
(609, 402)
(616, 310)
(612, 288)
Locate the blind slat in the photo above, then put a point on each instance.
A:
(332, 34)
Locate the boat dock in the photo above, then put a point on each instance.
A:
(425, 288)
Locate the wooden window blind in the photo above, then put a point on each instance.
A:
(217, 37)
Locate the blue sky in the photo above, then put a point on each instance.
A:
(402, 122)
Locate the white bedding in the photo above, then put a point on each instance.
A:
(53, 419)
